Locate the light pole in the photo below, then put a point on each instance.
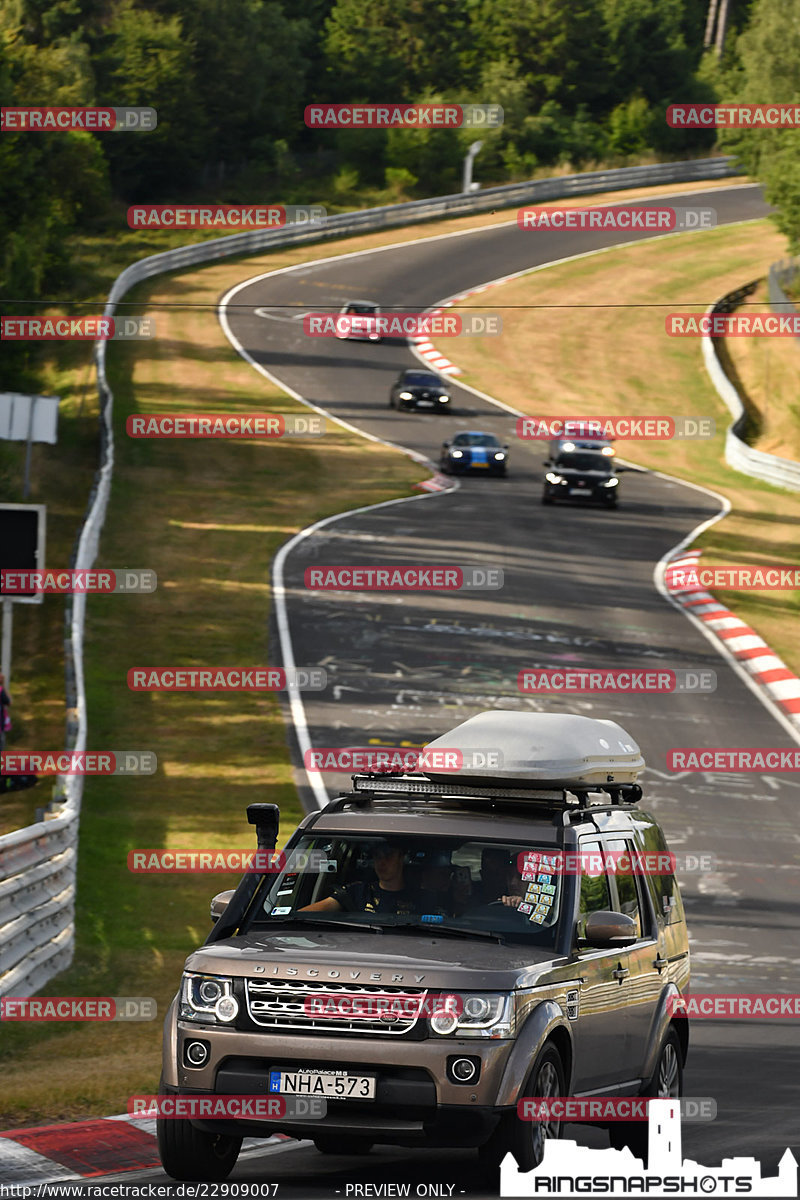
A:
(466, 181)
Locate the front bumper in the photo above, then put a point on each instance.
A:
(415, 1102)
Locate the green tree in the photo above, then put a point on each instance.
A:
(767, 70)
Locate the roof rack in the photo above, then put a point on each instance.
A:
(370, 784)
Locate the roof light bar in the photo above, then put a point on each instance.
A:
(420, 785)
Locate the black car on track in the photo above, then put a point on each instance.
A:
(417, 388)
(473, 451)
(581, 475)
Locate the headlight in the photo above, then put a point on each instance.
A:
(500, 456)
(444, 399)
(567, 446)
(612, 482)
(551, 477)
(456, 453)
(482, 1015)
(406, 395)
(208, 998)
(609, 450)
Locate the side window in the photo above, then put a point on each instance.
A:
(595, 896)
(627, 885)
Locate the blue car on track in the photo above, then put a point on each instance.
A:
(473, 451)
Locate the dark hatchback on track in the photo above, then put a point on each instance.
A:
(581, 475)
(474, 451)
(419, 389)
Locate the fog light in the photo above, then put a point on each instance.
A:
(464, 1070)
(196, 1053)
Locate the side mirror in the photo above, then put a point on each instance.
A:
(219, 904)
(445, 445)
(605, 930)
(266, 818)
(548, 462)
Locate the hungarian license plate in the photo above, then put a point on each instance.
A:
(322, 1083)
(577, 491)
(480, 464)
(424, 404)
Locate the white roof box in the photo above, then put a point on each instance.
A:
(539, 749)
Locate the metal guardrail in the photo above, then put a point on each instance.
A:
(770, 468)
(780, 275)
(37, 864)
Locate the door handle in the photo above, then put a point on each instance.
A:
(620, 973)
(659, 963)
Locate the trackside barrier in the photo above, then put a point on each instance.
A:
(782, 274)
(781, 472)
(37, 864)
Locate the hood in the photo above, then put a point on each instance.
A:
(413, 960)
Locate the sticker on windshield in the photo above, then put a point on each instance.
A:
(533, 889)
(526, 908)
(537, 917)
(281, 912)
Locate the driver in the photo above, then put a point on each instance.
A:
(387, 893)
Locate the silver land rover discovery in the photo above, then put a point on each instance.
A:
(434, 949)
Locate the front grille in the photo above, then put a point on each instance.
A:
(281, 1004)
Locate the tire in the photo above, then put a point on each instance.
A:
(192, 1154)
(525, 1139)
(667, 1081)
(331, 1143)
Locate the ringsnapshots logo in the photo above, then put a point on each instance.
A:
(736, 760)
(225, 216)
(224, 425)
(402, 325)
(38, 119)
(79, 762)
(403, 116)
(218, 862)
(390, 760)
(76, 329)
(729, 325)
(623, 218)
(733, 116)
(403, 579)
(227, 679)
(78, 1008)
(71, 583)
(609, 428)
(584, 681)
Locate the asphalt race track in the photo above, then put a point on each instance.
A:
(578, 591)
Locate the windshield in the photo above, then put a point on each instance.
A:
(416, 377)
(506, 888)
(364, 310)
(584, 462)
(475, 439)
